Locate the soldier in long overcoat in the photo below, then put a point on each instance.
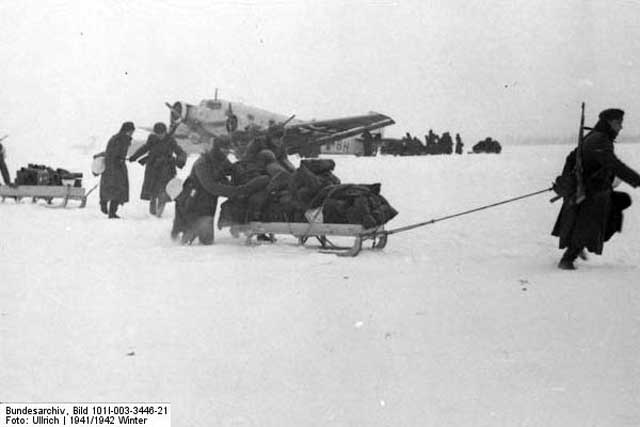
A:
(197, 203)
(160, 166)
(459, 144)
(590, 223)
(114, 181)
(3, 166)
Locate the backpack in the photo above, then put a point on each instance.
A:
(566, 184)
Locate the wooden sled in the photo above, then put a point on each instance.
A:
(303, 231)
(46, 192)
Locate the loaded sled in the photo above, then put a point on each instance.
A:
(46, 192)
(319, 231)
(312, 205)
(43, 182)
(307, 203)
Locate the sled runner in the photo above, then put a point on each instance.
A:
(46, 192)
(303, 231)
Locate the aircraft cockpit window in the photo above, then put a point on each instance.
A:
(214, 105)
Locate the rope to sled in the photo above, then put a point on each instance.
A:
(432, 221)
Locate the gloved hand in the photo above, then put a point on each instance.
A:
(565, 185)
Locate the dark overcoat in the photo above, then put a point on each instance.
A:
(200, 191)
(114, 181)
(160, 164)
(3, 167)
(593, 221)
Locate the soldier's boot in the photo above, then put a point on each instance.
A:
(103, 207)
(161, 204)
(153, 206)
(235, 231)
(204, 230)
(565, 264)
(569, 256)
(583, 255)
(188, 237)
(113, 208)
(206, 237)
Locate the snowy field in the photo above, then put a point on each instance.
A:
(465, 322)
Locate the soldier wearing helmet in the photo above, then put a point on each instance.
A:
(271, 141)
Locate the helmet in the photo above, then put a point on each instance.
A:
(265, 157)
(275, 131)
(159, 128)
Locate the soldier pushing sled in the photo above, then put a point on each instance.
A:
(264, 188)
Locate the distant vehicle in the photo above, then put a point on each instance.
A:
(199, 124)
(487, 145)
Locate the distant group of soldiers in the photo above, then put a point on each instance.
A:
(413, 146)
(436, 144)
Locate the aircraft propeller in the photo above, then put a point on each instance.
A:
(176, 115)
(232, 120)
(177, 120)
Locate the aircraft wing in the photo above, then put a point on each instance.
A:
(301, 135)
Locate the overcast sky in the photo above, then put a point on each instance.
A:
(505, 68)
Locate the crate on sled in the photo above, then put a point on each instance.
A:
(46, 192)
(303, 231)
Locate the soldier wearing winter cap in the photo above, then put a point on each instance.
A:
(127, 127)
(591, 222)
(611, 114)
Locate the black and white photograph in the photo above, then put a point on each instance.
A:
(302, 213)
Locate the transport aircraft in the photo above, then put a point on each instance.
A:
(198, 125)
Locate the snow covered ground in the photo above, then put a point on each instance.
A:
(463, 322)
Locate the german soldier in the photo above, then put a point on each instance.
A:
(591, 222)
(114, 181)
(3, 165)
(197, 203)
(160, 166)
(272, 141)
(459, 144)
